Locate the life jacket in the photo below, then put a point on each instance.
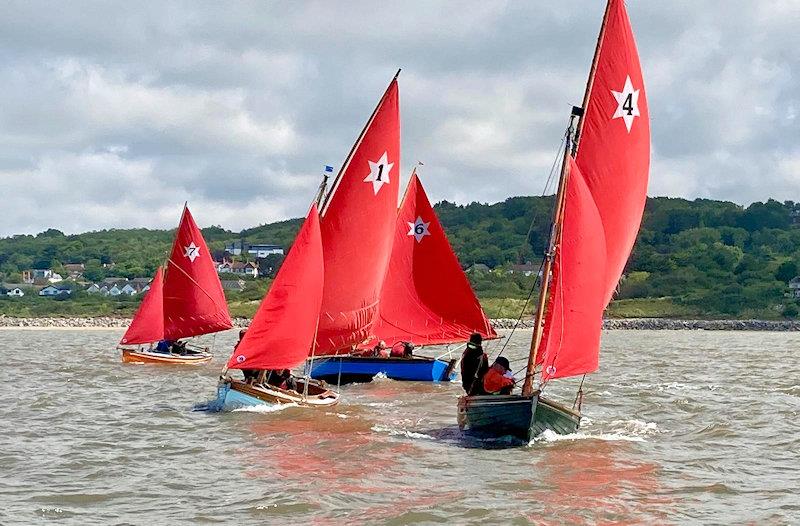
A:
(494, 381)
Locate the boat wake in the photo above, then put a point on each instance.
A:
(402, 432)
(265, 408)
(622, 431)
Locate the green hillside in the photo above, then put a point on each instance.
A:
(693, 258)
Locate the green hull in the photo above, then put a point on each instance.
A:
(523, 417)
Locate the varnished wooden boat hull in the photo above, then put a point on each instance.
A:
(347, 369)
(523, 417)
(144, 356)
(235, 394)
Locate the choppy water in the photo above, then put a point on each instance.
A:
(680, 427)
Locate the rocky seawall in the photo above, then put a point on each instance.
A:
(656, 324)
(648, 324)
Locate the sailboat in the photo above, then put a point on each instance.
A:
(426, 299)
(185, 300)
(597, 213)
(283, 332)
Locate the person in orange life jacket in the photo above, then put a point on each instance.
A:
(497, 379)
(380, 350)
(402, 350)
(474, 364)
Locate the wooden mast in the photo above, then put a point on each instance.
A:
(324, 205)
(558, 210)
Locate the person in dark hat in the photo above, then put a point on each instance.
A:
(474, 364)
(498, 379)
(250, 375)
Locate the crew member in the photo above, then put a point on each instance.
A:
(474, 364)
(498, 379)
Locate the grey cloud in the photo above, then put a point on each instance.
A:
(115, 113)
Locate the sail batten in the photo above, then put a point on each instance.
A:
(426, 298)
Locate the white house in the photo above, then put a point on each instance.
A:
(54, 290)
(93, 289)
(115, 290)
(262, 251)
(129, 290)
(238, 267)
(794, 287)
(16, 291)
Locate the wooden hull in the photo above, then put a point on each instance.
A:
(347, 369)
(523, 417)
(235, 394)
(146, 356)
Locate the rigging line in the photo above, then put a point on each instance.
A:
(522, 310)
(547, 183)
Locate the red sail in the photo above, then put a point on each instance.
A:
(194, 303)
(606, 193)
(426, 297)
(148, 322)
(614, 147)
(357, 226)
(282, 331)
(571, 339)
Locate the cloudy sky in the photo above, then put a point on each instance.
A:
(114, 114)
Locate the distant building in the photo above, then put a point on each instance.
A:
(74, 270)
(55, 290)
(94, 288)
(238, 267)
(262, 251)
(479, 267)
(15, 292)
(239, 247)
(794, 287)
(526, 270)
(234, 284)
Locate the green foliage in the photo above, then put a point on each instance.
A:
(692, 258)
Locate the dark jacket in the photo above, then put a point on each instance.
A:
(474, 364)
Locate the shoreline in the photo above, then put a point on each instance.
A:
(649, 324)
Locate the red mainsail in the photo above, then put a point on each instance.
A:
(614, 147)
(194, 303)
(148, 322)
(606, 194)
(426, 298)
(282, 331)
(357, 230)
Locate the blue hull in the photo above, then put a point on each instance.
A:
(229, 399)
(346, 369)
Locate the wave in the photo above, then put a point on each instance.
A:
(552, 436)
(401, 432)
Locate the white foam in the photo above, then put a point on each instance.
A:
(401, 432)
(380, 377)
(552, 436)
(637, 427)
(264, 408)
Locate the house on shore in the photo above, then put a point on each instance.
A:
(237, 285)
(15, 292)
(258, 251)
(74, 270)
(55, 290)
(242, 268)
(479, 267)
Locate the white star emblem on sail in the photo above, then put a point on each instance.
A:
(419, 229)
(627, 103)
(379, 172)
(192, 251)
